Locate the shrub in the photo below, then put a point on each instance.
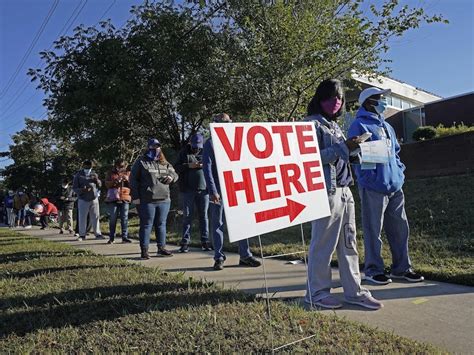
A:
(424, 132)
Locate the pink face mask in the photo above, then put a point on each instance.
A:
(331, 106)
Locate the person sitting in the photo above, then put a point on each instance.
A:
(49, 210)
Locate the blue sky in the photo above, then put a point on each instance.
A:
(438, 58)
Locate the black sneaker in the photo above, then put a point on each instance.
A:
(206, 246)
(163, 252)
(379, 279)
(250, 261)
(409, 276)
(184, 248)
(126, 240)
(219, 264)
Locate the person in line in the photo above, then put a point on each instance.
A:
(49, 210)
(381, 195)
(65, 198)
(86, 185)
(217, 208)
(9, 209)
(20, 201)
(338, 231)
(192, 185)
(150, 178)
(118, 199)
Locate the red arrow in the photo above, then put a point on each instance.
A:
(292, 209)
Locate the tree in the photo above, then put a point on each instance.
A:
(287, 47)
(40, 160)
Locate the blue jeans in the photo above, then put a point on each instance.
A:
(153, 214)
(387, 211)
(217, 228)
(199, 198)
(116, 208)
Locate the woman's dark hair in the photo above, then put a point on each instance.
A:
(326, 89)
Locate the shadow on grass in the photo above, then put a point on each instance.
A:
(50, 270)
(83, 306)
(29, 255)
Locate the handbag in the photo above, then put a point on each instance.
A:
(112, 195)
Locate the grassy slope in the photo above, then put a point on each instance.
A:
(54, 298)
(441, 216)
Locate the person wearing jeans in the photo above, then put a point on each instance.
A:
(217, 209)
(86, 185)
(336, 232)
(118, 199)
(381, 194)
(192, 185)
(150, 178)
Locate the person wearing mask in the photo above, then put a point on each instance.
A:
(217, 208)
(192, 185)
(381, 194)
(48, 210)
(9, 209)
(20, 201)
(150, 178)
(65, 198)
(118, 199)
(86, 185)
(338, 231)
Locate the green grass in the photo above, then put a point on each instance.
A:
(54, 298)
(441, 216)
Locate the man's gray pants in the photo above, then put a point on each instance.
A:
(335, 233)
(91, 208)
(388, 211)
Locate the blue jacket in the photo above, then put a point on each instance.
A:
(385, 178)
(210, 169)
(331, 146)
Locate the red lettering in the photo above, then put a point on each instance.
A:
(232, 187)
(310, 175)
(232, 152)
(283, 132)
(289, 180)
(260, 154)
(263, 183)
(302, 139)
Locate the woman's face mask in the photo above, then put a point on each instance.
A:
(380, 105)
(154, 153)
(331, 106)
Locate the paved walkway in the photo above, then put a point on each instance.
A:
(433, 312)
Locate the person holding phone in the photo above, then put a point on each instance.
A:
(338, 231)
(150, 178)
(381, 195)
(192, 186)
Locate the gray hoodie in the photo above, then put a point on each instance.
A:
(85, 186)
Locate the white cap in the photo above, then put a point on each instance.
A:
(366, 93)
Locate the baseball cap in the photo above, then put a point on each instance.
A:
(366, 93)
(197, 140)
(153, 141)
(222, 117)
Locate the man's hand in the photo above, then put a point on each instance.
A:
(352, 144)
(215, 198)
(136, 201)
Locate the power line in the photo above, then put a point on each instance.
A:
(30, 48)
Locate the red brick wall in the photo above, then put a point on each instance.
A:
(450, 155)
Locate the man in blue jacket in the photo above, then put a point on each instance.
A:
(217, 208)
(381, 194)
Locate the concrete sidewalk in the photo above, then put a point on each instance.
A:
(433, 312)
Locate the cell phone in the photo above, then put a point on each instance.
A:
(363, 137)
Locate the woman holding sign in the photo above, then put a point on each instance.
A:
(338, 231)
